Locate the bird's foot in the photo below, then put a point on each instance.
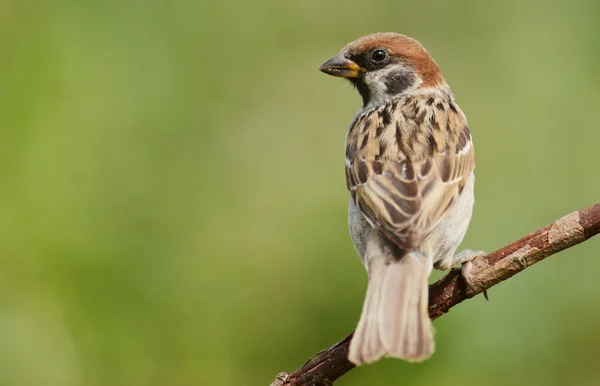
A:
(463, 257)
(281, 379)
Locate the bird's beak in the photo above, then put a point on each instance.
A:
(341, 67)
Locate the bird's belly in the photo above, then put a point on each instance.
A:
(449, 233)
(360, 230)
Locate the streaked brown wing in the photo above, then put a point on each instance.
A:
(407, 162)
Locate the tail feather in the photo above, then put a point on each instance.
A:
(394, 321)
(366, 345)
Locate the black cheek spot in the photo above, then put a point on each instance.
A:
(397, 82)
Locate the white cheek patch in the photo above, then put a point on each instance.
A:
(377, 81)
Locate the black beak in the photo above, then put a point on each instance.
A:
(342, 67)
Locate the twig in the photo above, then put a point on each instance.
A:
(460, 284)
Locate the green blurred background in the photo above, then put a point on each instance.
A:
(173, 203)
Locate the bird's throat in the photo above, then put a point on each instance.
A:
(362, 89)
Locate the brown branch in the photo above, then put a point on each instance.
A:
(475, 277)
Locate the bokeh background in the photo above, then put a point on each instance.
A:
(173, 203)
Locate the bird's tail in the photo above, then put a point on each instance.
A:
(394, 320)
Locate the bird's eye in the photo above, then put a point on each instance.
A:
(379, 55)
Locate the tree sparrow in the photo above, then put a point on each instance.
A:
(409, 170)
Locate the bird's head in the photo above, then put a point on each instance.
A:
(384, 65)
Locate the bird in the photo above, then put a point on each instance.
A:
(409, 171)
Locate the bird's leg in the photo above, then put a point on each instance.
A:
(464, 258)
